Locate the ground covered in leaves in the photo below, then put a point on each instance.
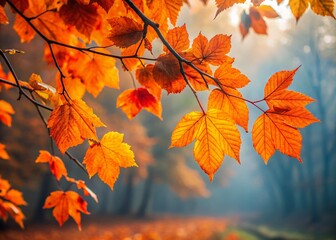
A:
(163, 228)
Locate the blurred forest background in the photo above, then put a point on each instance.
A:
(284, 194)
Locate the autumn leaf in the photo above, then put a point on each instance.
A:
(178, 38)
(131, 101)
(230, 77)
(56, 165)
(277, 82)
(3, 153)
(257, 21)
(323, 7)
(71, 123)
(14, 211)
(224, 4)
(213, 51)
(65, 204)
(298, 7)
(105, 4)
(98, 71)
(216, 136)
(270, 132)
(145, 77)
(83, 17)
(6, 110)
(44, 91)
(231, 102)
(166, 73)
(3, 16)
(15, 197)
(245, 24)
(276, 129)
(125, 31)
(81, 185)
(267, 11)
(171, 8)
(106, 156)
(288, 99)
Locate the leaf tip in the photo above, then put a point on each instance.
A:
(211, 176)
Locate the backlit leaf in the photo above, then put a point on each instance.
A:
(106, 156)
(230, 77)
(323, 7)
(216, 136)
(213, 51)
(71, 123)
(230, 101)
(178, 38)
(288, 99)
(298, 7)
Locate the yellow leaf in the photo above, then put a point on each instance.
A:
(216, 135)
(105, 157)
(298, 7)
(323, 7)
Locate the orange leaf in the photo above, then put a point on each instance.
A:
(278, 81)
(213, 52)
(145, 77)
(71, 123)
(3, 154)
(4, 186)
(14, 211)
(178, 38)
(125, 31)
(133, 100)
(81, 185)
(216, 136)
(83, 17)
(15, 197)
(166, 73)
(230, 101)
(107, 156)
(230, 77)
(323, 7)
(288, 99)
(270, 132)
(224, 4)
(298, 7)
(171, 9)
(5, 113)
(105, 4)
(245, 24)
(297, 117)
(3, 16)
(267, 11)
(97, 72)
(65, 204)
(257, 21)
(56, 165)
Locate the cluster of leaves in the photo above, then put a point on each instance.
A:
(254, 17)
(78, 34)
(10, 202)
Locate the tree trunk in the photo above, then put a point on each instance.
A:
(142, 210)
(44, 192)
(126, 205)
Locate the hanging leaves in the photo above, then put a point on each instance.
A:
(65, 204)
(277, 128)
(10, 200)
(56, 165)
